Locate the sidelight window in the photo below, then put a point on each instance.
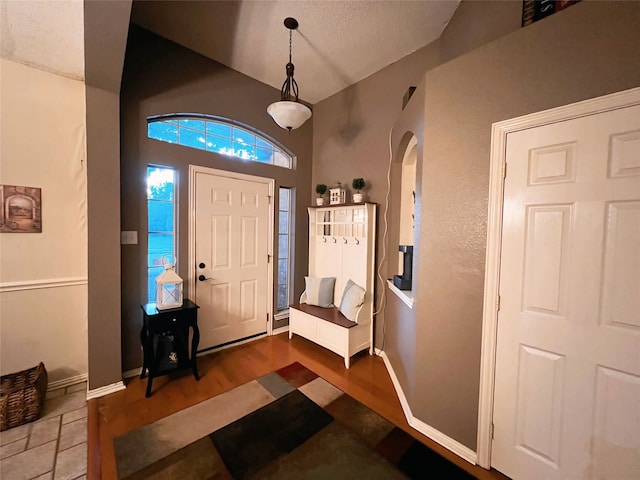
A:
(285, 238)
(161, 224)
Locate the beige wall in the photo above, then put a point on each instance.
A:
(162, 77)
(43, 276)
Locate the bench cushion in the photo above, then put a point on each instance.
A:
(320, 290)
(352, 299)
(331, 314)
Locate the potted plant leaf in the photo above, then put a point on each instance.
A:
(358, 184)
(321, 189)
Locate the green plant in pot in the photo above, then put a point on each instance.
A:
(358, 184)
(321, 189)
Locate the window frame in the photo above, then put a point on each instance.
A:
(259, 138)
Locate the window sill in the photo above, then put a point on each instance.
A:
(405, 295)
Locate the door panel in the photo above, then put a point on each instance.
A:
(538, 419)
(567, 374)
(248, 242)
(221, 248)
(231, 240)
(620, 304)
(547, 230)
(616, 401)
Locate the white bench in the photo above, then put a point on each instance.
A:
(331, 329)
(341, 245)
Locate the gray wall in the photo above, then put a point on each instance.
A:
(352, 128)
(587, 50)
(162, 77)
(106, 26)
(351, 139)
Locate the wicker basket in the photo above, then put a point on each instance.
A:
(22, 396)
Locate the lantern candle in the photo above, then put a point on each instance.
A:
(168, 288)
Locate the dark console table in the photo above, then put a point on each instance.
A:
(165, 340)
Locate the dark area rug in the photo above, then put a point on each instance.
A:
(289, 424)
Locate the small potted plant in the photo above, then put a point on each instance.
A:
(321, 189)
(358, 184)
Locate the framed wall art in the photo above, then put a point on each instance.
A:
(534, 10)
(21, 209)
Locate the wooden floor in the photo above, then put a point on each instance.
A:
(367, 381)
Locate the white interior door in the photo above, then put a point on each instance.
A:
(567, 378)
(232, 257)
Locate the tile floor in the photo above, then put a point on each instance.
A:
(54, 447)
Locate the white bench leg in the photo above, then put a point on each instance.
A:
(347, 362)
(290, 334)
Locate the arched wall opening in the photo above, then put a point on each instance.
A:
(403, 200)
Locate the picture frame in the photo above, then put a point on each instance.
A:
(21, 209)
(534, 10)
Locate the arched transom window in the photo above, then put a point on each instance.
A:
(219, 135)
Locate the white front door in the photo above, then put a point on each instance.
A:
(567, 378)
(232, 254)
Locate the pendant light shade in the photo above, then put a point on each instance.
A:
(289, 113)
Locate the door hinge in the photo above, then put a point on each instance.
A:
(504, 170)
(267, 318)
(268, 258)
(269, 197)
(498, 304)
(492, 431)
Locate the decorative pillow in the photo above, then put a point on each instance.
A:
(320, 291)
(352, 298)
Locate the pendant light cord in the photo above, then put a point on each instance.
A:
(290, 45)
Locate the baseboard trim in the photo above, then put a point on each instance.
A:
(106, 390)
(67, 382)
(278, 331)
(135, 372)
(396, 384)
(447, 442)
(434, 434)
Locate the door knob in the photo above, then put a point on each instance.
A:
(201, 265)
(202, 278)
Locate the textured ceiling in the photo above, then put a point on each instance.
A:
(45, 34)
(338, 43)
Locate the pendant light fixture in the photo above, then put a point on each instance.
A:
(289, 113)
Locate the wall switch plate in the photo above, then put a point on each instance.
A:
(129, 238)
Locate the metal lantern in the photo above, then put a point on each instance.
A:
(168, 288)
(337, 194)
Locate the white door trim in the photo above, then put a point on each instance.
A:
(499, 134)
(191, 281)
